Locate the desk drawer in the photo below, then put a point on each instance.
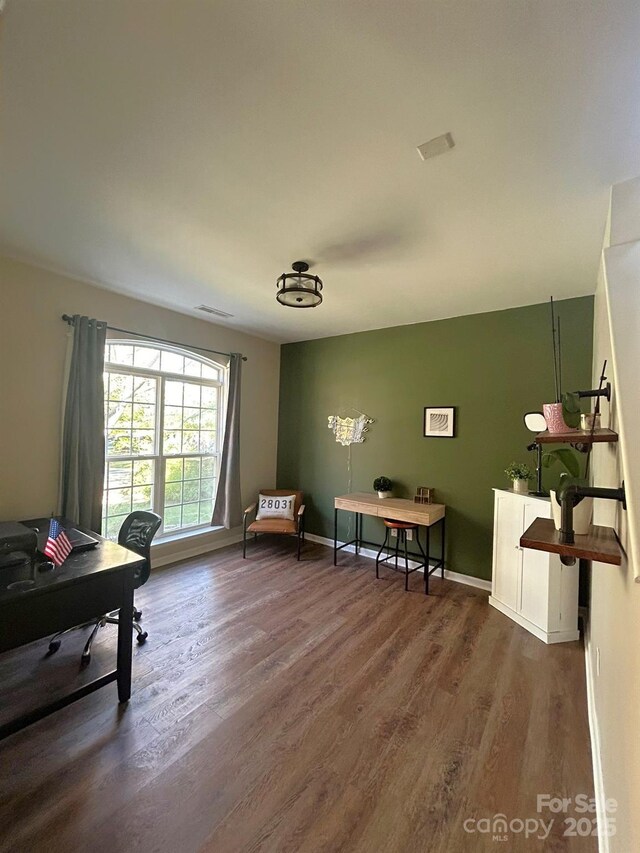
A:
(419, 517)
(353, 506)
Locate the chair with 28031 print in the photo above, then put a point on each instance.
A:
(278, 511)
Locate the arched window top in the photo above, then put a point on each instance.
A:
(161, 358)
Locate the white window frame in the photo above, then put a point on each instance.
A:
(159, 458)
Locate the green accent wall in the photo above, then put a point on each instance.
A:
(492, 367)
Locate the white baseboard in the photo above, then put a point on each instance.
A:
(469, 580)
(594, 731)
(195, 550)
(548, 637)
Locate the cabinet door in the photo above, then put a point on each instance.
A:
(534, 591)
(506, 551)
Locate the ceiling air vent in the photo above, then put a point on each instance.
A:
(436, 146)
(215, 311)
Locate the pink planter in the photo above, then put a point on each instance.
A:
(553, 416)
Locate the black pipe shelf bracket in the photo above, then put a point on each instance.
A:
(568, 497)
(597, 392)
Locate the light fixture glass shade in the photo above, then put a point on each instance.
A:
(299, 289)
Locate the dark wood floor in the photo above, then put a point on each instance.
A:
(283, 706)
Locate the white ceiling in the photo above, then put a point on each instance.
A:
(187, 151)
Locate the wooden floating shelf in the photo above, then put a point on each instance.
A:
(601, 543)
(577, 436)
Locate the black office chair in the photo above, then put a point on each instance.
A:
(136, 534)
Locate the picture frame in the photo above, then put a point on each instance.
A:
(439, 422)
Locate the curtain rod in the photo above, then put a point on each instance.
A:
(69, 320)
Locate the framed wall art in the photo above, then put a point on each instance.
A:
(439, 421)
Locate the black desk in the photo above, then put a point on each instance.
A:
(86, 586)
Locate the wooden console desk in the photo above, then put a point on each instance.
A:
(397, 509)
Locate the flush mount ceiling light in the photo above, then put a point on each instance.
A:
(299, 289)
(435, 147)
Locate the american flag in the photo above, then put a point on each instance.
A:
(58, 546)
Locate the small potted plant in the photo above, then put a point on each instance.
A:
(519, 473)
(383, 486)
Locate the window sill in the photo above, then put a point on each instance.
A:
(186, 534)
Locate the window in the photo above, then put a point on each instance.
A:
(162, 415)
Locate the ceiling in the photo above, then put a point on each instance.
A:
(187, 151)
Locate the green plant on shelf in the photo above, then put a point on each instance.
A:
(518, 471)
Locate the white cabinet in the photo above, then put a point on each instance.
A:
(531, 587)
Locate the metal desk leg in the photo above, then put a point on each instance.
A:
(426, 562)
(125, 642)
(335, 537)
(442, 549)
(358, 531)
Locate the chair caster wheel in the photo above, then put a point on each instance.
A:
(54, 645)
(137, 615)
(142, 638)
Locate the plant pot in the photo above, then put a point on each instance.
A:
(581, 514)
(554, 418)
(520, 487)
(382, 495)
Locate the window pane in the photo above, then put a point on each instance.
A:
(142, 442)
(209, 372)
(141, 497)
(207, 467)
(206, 489)
(190, 491)
(191, 418)
(172, 442)
(173, 470)
(173, 417)
(118, 442)
(207, 441)
(209, 397)
(191, 394)
(206, 511)
(173, 393)
(190, 514)
(118, 415)
(191, 469)
(144, 416)
(121, 354)
(172, 363)
(142, 471)
(172, 494)
(118, 475)
(147, 357)
(144, 389)
(118, 501)
(207, 418)
(172, 518)
(190, 441)
(120, 386)
(192, 367)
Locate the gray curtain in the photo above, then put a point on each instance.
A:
(228, 507)
(83, 430)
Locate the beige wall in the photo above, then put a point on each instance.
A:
(615, 596)
(33, 343)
